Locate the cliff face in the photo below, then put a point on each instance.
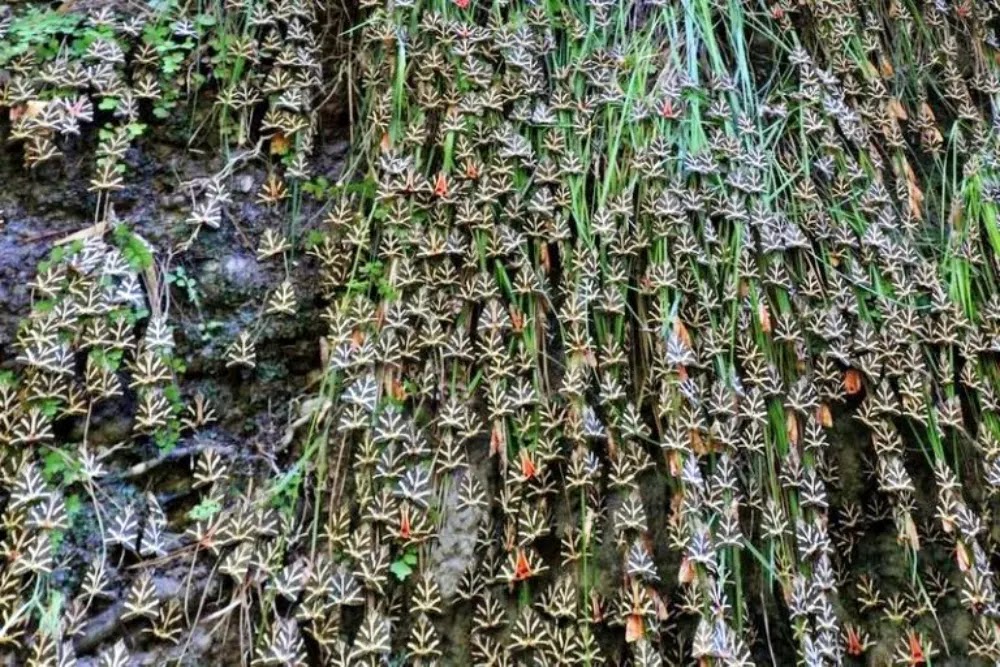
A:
(457, 332)
(216, 286)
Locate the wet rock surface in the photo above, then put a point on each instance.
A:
(228, 288)
(453, 550)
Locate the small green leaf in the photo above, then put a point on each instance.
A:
(73, 505)
(314, 238)
(167, 438)
(51, 618)
(56, 538)
(204, 510)
(50, 407)
(401, 570)
(53, 465)
(43, 306)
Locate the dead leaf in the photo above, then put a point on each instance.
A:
(280, 144)
(497, 440)
(152, 280)
(662, 612)
(897, 109)
(97, 230)
(927, 114)
(962, 557)
(441, 184)
(915, 195)
(764, 316)
(546, 261)
(686, 573)
(682, 333)
(886, 69)
(398, 390)
(957, 214)
(516, 319)
(34, 108)
(697, 443)
(324, 352)
(596, 612)
(674, 463)
(824, 416)
(852, 381)
(910, 533)
(792, 426)
(634, 629)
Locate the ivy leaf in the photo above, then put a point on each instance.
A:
(401, 569)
